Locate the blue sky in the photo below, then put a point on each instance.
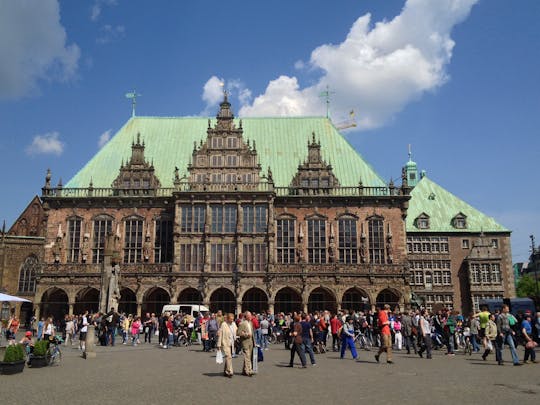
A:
(457, 79)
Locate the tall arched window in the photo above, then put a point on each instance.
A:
(133, 240)
(376, 240)
(27, 276)
(348, 242)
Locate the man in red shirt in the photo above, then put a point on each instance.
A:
(386, 337)
(335, 324)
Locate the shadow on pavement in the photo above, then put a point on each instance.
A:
(214, 374)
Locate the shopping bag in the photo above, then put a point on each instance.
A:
(254, 360)
(260, 355)
(219, 357)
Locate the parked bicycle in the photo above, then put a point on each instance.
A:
(54, 354)
(362, 341)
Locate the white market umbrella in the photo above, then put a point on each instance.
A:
(12, 298)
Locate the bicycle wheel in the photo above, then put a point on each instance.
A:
(182, 341)
(57, 357)
(49, 356)
(367, 343)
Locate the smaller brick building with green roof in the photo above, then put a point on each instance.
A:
(452, 244)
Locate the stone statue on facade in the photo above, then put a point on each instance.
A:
(113, 291)
(85, 247)
(389, 249)
(146, 249)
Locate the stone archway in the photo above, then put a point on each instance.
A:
(255, 300)
(128, 302)
(321, 299)
(27, 310)
(223, 299)
(154, 300)
(288, 300)
(55, 303)
(355, 299)
(86, 300)
(190, 296)
(388, 296)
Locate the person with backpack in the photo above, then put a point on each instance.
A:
(506, 336)
(347, 338)
(112, 320)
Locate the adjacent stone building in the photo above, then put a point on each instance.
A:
(261, 213)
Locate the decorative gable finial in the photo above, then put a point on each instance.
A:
(48, 177)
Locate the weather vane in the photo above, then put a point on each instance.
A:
(133, 96)
(326, 95)
(223, 89)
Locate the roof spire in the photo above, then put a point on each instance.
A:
(225, 112)
(133, 96)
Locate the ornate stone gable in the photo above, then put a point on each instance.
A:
(137, 175)
(314, 176)
(224, 161)
(482, 249)
(32, 222)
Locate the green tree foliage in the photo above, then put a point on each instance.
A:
(527, 287)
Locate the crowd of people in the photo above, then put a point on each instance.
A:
(305, 334)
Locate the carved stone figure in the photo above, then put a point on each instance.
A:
(389, 249)
(113, 287)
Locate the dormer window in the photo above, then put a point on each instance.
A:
(422, 221)
(459, 221)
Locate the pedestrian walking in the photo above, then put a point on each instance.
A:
(247, 342)
(296, 342)
(491, 337)
(425, 334)
(506, 336)
(386, 337)
(225, 343)
(347, 338)
(530, 344)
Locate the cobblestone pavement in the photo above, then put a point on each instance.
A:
(149, 375)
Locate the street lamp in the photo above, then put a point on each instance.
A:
(535, 261)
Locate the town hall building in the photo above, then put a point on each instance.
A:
(278, 214)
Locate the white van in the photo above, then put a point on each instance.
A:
(193, 309)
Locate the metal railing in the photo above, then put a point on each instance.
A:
(179, 187)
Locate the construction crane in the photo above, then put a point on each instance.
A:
(350, 123)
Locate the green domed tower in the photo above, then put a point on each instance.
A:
(411, 171)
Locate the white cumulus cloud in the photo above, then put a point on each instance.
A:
(97, 7)
(104, 138)
(213, 92)
(46, 144)
(109, 33)
(377, 70)
(33, 45)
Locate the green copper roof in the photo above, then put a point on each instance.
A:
(442, 206)
(281, 144)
